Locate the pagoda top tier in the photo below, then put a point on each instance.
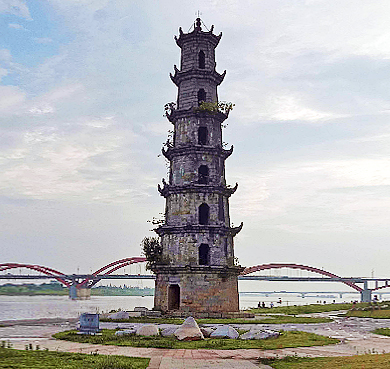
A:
(196, 34)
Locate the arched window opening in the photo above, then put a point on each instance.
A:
(202, 135)
(204, 214)
(203, 174)
(174, 297)
(202, 60)
(201, 96)
(204, 254)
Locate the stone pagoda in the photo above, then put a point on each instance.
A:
(197, 272)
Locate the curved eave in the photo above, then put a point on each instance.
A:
(227, 153)
(235, 230)
(192, 113)
(197, 228)
(196, 34)
(168, 190)
(203, 74)
(196, 269)
(166, 153)
(196, 149)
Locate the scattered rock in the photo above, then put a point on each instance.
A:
(169, 331)
(189, 331)
(259, 335)
(207, 331)
(140, 308)
(147, 330)
(225, 331)
(272, 334)
(134, 314)
(119, 315)
(125, 332)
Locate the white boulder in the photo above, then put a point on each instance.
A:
(189, 331)
(259, 335)
(119, 315)
(147, 330)
(170, 331)
(225, 331)
(207, 331)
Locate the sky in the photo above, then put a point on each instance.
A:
(82, 90)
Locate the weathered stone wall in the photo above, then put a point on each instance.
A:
(183, 249)
(186, 131)
(183, 208)
(190, 53)
(199, 292)
(188, 92)
(185, 168)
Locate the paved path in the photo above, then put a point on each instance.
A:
(353, 332)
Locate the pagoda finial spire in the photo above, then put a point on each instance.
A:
(198, 24)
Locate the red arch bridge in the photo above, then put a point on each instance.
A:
(80, 284)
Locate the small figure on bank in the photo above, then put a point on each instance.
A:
(280, 301)
(263, 304)
(271, 305)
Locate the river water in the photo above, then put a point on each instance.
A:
(35, 307)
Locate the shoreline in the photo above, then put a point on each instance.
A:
(39, 321)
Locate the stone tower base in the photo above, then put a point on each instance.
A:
(197, 289)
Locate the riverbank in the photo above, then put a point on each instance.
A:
(42, 321)
(354, 334)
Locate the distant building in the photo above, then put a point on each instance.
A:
(197, 272)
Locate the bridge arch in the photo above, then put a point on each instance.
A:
(112, 267)
(38, 268)
(257, 268)
(386, 285)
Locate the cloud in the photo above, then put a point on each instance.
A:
(317, 196)
(83, 162)
(289, 108)
(15, 7)
(3, 72)
(16, 26)
(5, 55)
(11, 98)
(43, 40)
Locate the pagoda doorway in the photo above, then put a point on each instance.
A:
(174, 297)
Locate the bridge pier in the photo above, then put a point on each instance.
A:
(366, 293)
(73, 292)
(83, 293)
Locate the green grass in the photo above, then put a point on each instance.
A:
(382, 331)
(369, 361)
(377, 314)
(270, 319)
(307, 309)
(286, 339)
(11, 359)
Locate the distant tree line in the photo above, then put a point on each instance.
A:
(56, 288)
(30, 289)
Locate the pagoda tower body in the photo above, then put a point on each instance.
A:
(197, 272)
